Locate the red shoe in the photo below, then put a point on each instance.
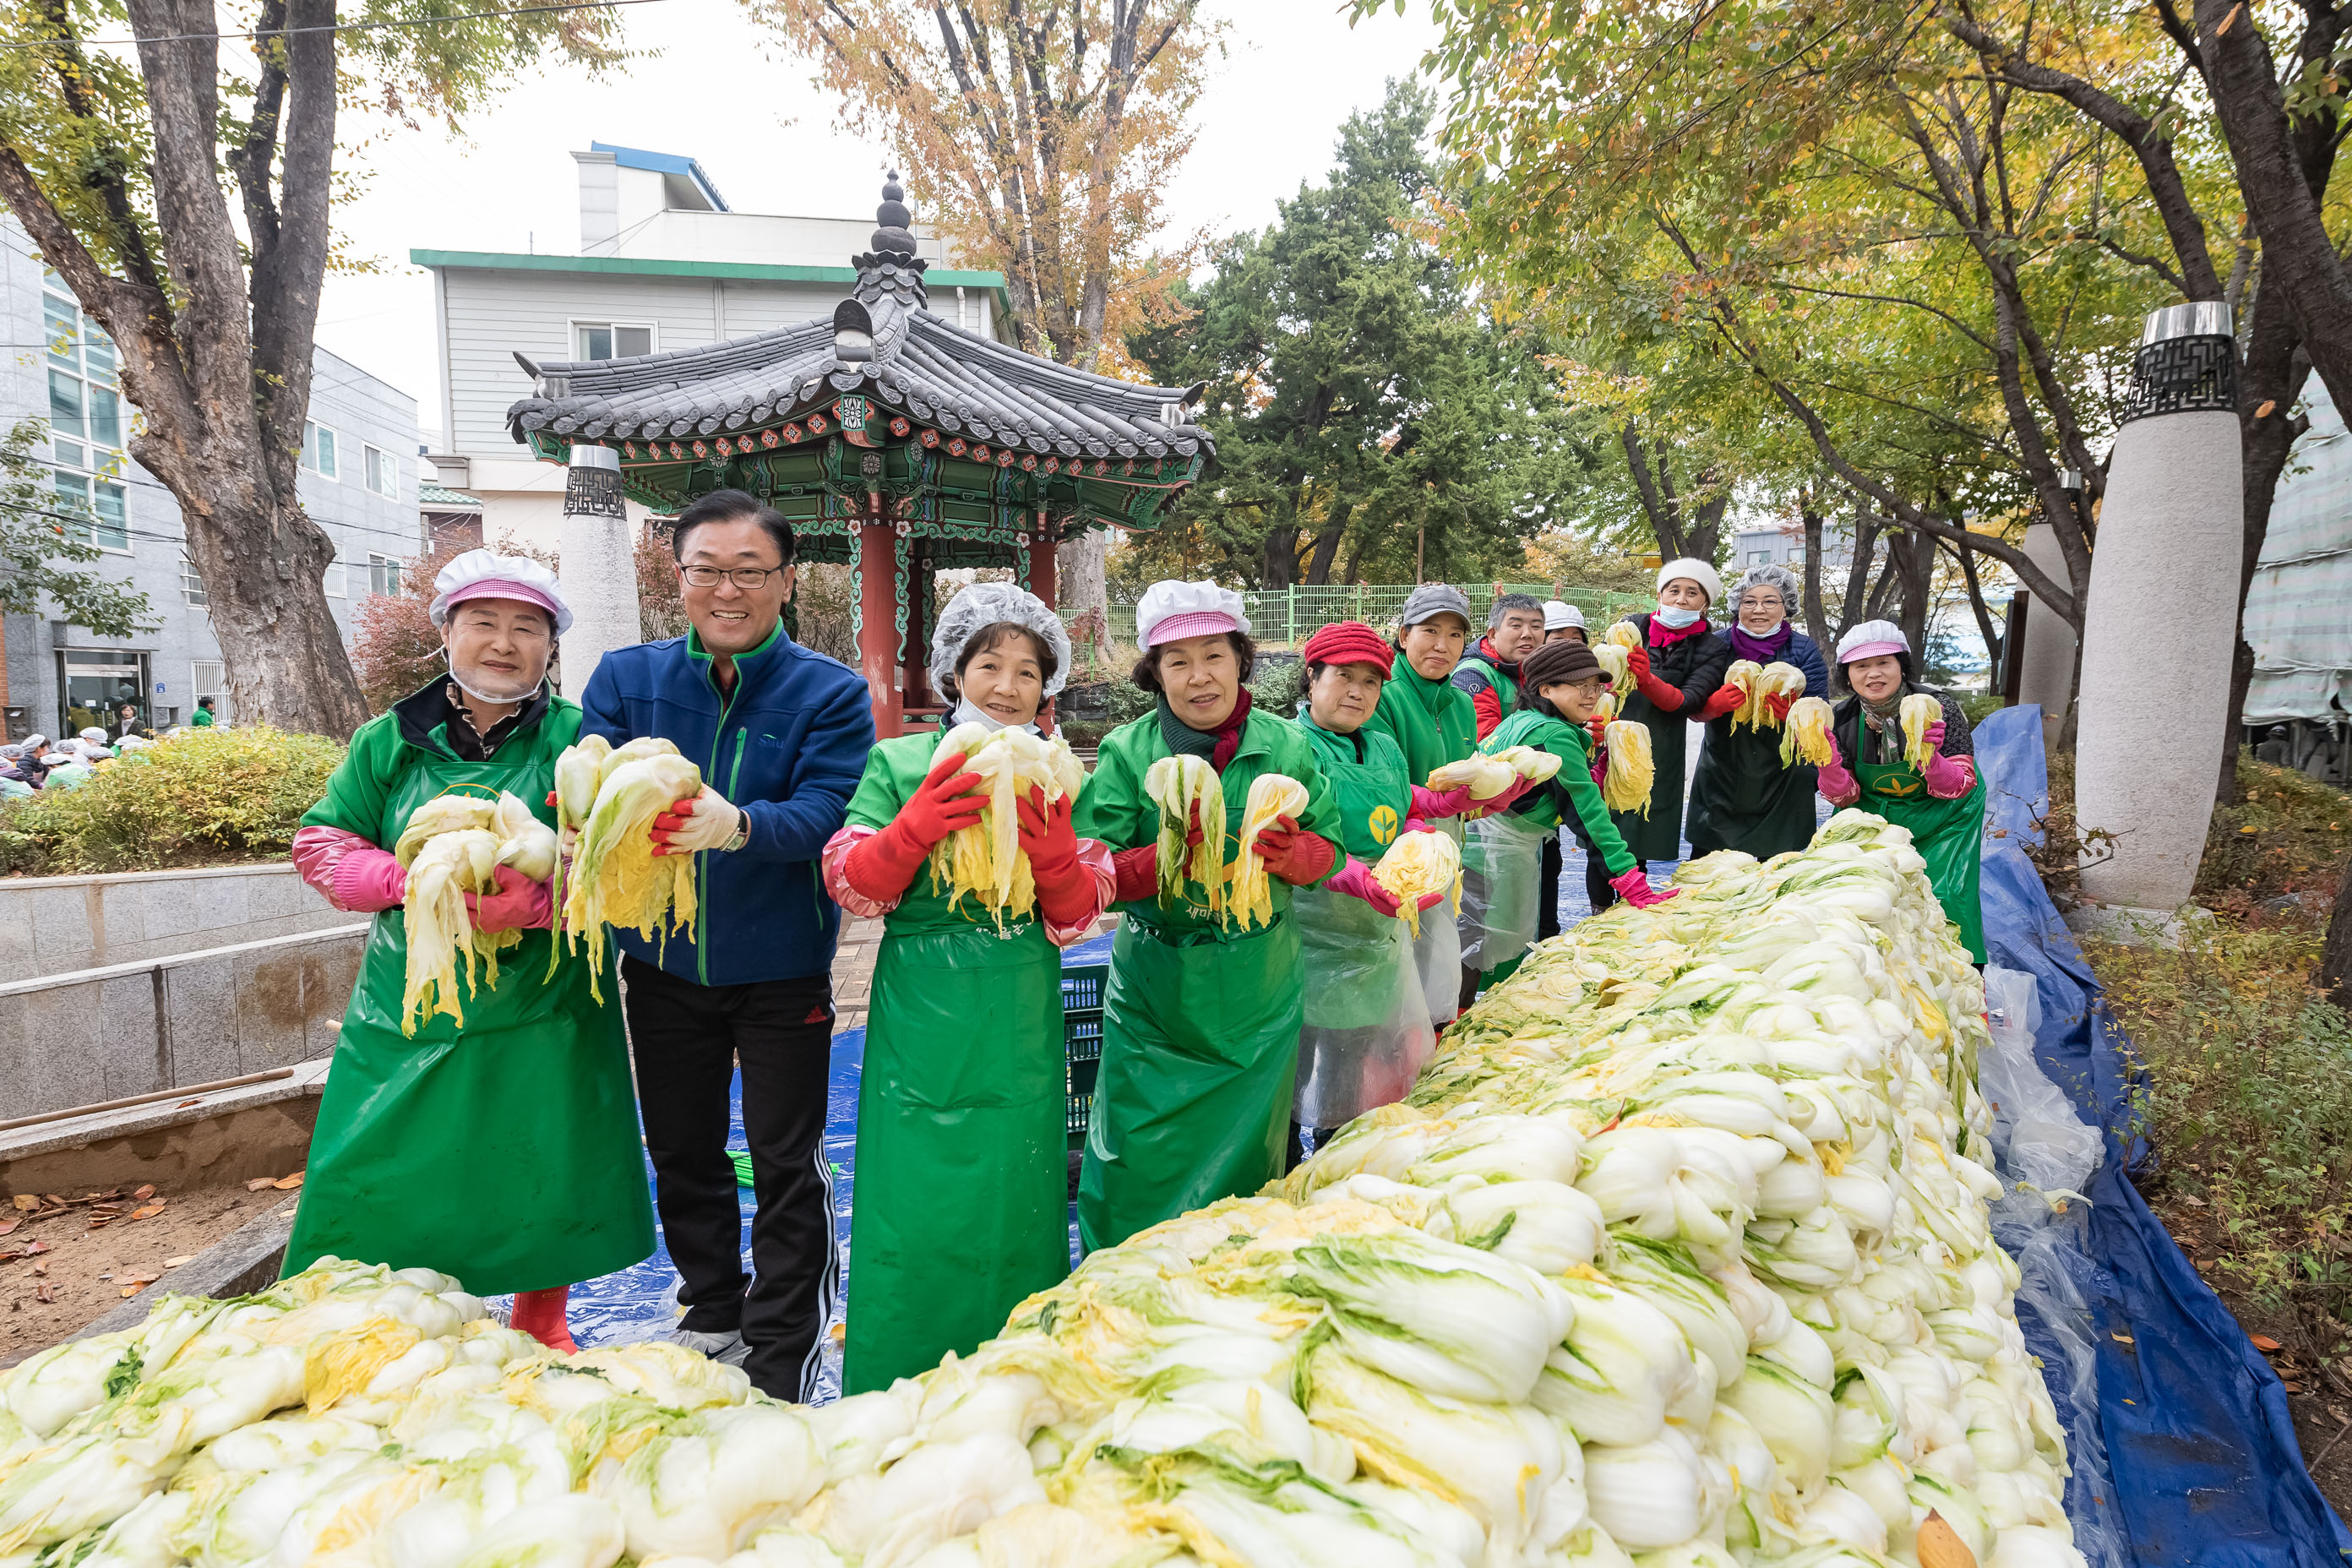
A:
(540, 1314)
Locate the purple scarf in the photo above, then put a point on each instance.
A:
(1763, 650)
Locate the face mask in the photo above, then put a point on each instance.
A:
(496, 699)
(1676, 620)
(966, 713)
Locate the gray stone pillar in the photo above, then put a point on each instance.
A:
(2049, 671)
(599, 566)
(2156, 639)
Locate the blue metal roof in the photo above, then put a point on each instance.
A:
(664, 164)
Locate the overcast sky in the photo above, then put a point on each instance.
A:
(773, 143)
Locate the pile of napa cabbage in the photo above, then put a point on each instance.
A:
(1679, 1248)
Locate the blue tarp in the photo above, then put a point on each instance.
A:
(2205, 1465)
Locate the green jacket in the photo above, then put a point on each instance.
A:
(202, 719)
(1434, 722)
(1572, 788)
(1115, 809)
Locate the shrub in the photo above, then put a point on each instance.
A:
(212, 796)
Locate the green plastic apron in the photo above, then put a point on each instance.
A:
(1743, 798)
(1193, 1099)
(506, 1153)
(961, 1207)
(1948, 834)
(1366, 1030)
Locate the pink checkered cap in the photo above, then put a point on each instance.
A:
(1192, 624)
(1870, 650)
(507, 588)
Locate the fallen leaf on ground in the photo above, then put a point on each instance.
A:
(2192, 1200)
(287, 1183)
(141, 1276)
(144, 1191)
(259, 1182)
(8, 1225)
(40, 1269)
(148, 1210)
(2122, 1339)
(175, 1262)
(2264, 1342)
(42, 1293)
(26, 1203)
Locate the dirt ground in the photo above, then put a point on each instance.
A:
(62, 1266)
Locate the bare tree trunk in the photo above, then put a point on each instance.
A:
(1080, 575)
(1817, 621)
(2274, 377)
(2336, 953)
(1656, 489)
(1705, 536)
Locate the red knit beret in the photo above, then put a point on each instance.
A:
(1350, 642)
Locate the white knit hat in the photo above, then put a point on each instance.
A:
(486, 575)
(1171, 610)
(1698, 572)
(1559, 613)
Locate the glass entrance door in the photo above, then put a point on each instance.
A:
(94, 683)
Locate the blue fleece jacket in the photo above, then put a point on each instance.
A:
(788, 745)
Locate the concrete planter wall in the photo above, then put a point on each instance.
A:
(109, 1032)
(54, 925)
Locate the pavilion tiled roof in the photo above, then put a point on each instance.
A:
(882, 344)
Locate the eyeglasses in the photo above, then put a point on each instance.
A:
(750, 579)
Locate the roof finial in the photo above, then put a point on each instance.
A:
(892, 217)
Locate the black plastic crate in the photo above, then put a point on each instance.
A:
(1082, 988)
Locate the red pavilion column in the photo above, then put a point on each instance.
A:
(1041, 560)
(878, 623)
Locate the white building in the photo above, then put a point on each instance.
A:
(663, 264)
(359, 481)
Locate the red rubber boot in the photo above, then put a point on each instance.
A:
(540, 1314)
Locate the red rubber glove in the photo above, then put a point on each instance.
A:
(1725, 699)
(1436, 803)
(1635, 888)
(1294, 855)
(881, 868)
(1662, 696)
(1933, 736)
(1136, 873)
(520, 904)
(1065, 895)
(1947, 778)
(1838, 785)
(1778, 703)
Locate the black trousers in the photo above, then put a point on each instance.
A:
(1548, 889)
(687, 1040)
(1596, 882)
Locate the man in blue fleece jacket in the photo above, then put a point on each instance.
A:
(781, 735)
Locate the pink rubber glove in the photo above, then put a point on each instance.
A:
(1838, 785)
(370, 880)
(520, 904)
(1354, 879)
(1635, 888)
(1948, 778)
(1435, 803)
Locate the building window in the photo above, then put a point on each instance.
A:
(383, 473)
(1759, 558)
(611, 340)
(210, 680)
(98, 512)
(85, 407)
(383, 576)
(191, 585)
(317, 448)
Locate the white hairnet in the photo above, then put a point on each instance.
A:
(1770, 576)
(985, 604)
(486, 575)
